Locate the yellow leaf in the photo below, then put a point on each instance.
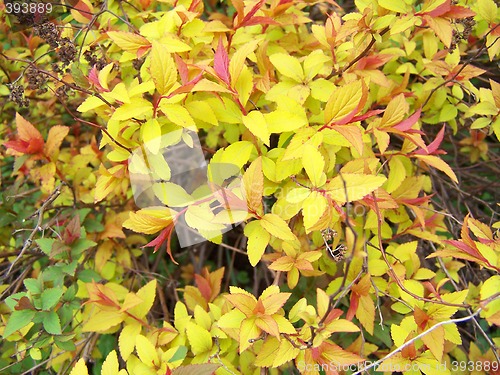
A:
(383, 140)
(304, 136)
(313, 163)
(139, 109)
(398, 6)
(438, 163)
(92, 102)
(343, 101)
(201, 110)
(400, 333)
(110, 365)
(397, 173)
(130, 301)
(289, 116)
(177, 114)
(353, 135)
(146, 351)
(54, 139)
(126, 340)
(148, 221)
(80, 368)
(253, 180)
(129, 42)
(103, 320)
(103, 75)
(495, 90)
(147, 294)
(248, 332)
(488, 10)
(356, 186)
(199, 338)
(238, 59)
(237, 153)
(434, 340)
(342, 325)
(256, 123)
(276, 226)
(172, 194)
(312, 209)
(395, 111)
(151, 134)
(442, 27)
(163, 70)
(288, 66)
(298, 194)
(314, 63)
(206, 85)
(258, 239)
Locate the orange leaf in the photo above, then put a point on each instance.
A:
(29, 141)
(56, 136)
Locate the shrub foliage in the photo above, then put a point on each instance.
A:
(365, 232)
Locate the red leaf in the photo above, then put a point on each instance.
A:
(353, 306)
(204, 287)
(72, 231)
(165, 235)
(457, 11)
(465, 248)
(251, 13)
(94, 79)
(406, 125)
(261, 21)
(434, 145)
(194, 5)
(29, 140)
(368, 114)
(439, 10)
(183, 69)
(221, 63)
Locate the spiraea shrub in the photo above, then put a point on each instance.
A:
(250, 187)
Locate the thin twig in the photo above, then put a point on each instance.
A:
(397, 350)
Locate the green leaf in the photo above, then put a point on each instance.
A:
(33, 285)
(52, 323)
(17, 320)
(45, 244)
(50, 297)
(81, 245)
(180, 354)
